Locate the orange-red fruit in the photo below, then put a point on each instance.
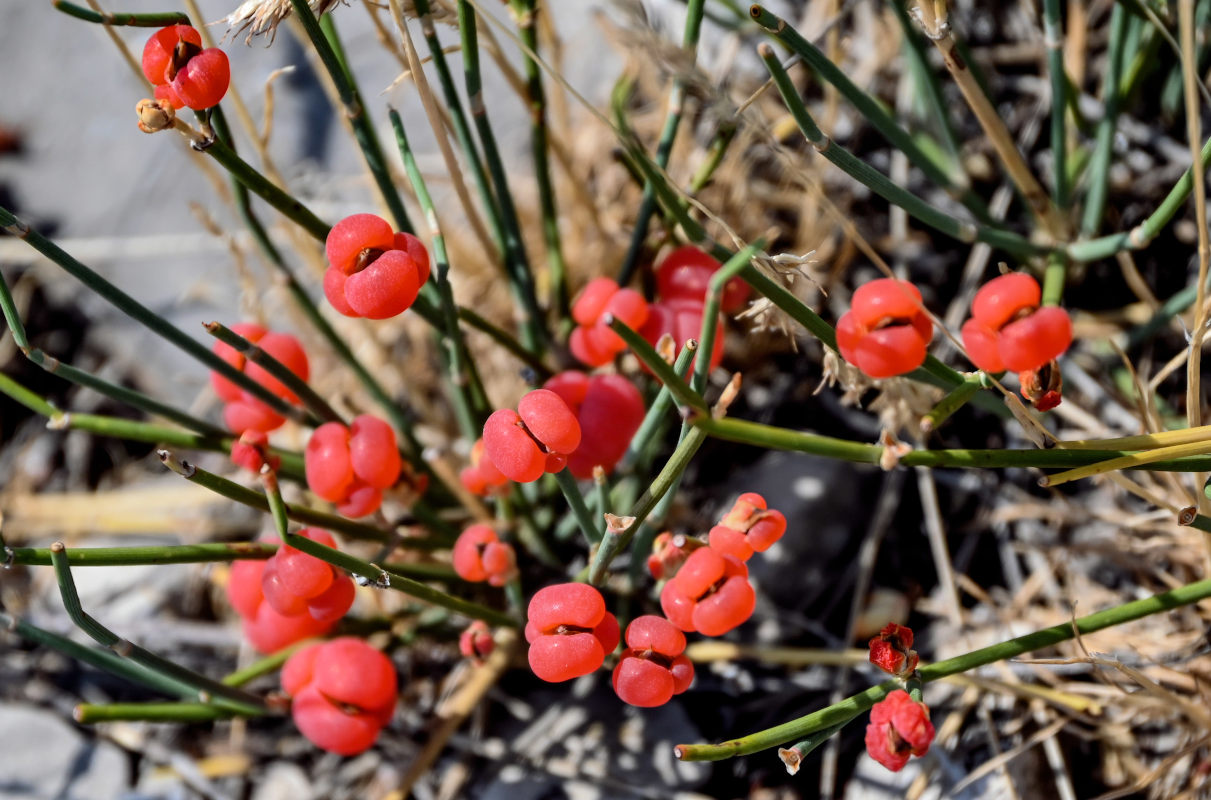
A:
(609, 410)
(481, 477)
(886, 332)
(686, 273)
(669, 552)
(158, 52)
(899, 728)
(373, 272)
(749, 516)
(243, 411)
(569, 631)
(891, 651)
(476, 642)
(265, 628)
(250, 451)
(479, 555)
(1009, 331)
(350, 466)
(203, 80)
(536, 438)
(710, 594)
(344, 692)
(174, 61)
(295, 583)
(652, 669)
(593, 342)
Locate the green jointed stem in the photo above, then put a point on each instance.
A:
(90, 713)
(142, 314)
(122, 394)
(264, 666)
(130, 556)
(652, 360)
(1103, 151)
(952, 402)
(867, 106)
(880, 184)
(262, 187)
(317, 405)
(534, 332)
(654, 419)
(383, 576)
(1053, 278)
(847, 709)
(526, 13)
(153, 19)
(614, 543)
(664, 147)
(584, 517)
(457, 357)
(1053, 37)
(327, 45)
(710, 310)
(106, 660)
(505, 340)
(207, 689)
(715, 152)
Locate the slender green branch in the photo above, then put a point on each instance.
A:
(664, 147)
(153, 19)
(659, 367)
(1053, 278)
(952, 402)
(91, 713)
(327, 45)
(1103, 151)
(207, 689)
(383, 576)
(1053, 35)
(158, 554)
(142, 314)
(710, 310)
(264, 188)
(869, 108)
(265, 665)
(840, 713)
(317, 405)
(502, 338)
(584, 517)
(880, 184)
(657, 413)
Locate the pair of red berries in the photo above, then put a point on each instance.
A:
(184, 73)
(479, 555)
(592, 341)
(1008, 329)
(609, 410)
(569, 631)
(682, 282)
(886, 330)
(653, 667)
(710, 594)
(291, 597)
(351, 466)
(373, 272)
(749, 527)
(243, 411)
(536, 438)
(343, 693)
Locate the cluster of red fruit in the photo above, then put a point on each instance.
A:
(242, 411)
(886, 331)
(899, 725)
(682, 281)
(290, 597)
(184, 73)
(373, 272)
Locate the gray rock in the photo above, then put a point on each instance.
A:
(46, 758)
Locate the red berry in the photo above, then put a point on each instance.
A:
(899, 727)
(373, 272)
(482, 477)
(265, 628)
(569, 631)
(227, 391)
(730, 542)
(250, 452)
(710, 594)
(344, 692)
(537, 438)
(244, 411)
(885, 333)
(295, 583)
(609, 410)
(761, 526)
(476, 642)
(479, 555)
(158, 53)
(1008, 329)
(669, 552)
(652, 668)
(681, 318)
(593, 342)
(203, 80)
(686, 273)
(350, 466)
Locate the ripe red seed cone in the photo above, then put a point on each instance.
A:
(159, 49)
(642, 683)
(549, 420)
(510, 448)
(204, 79)
(386, 287)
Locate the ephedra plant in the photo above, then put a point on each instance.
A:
(555, 485)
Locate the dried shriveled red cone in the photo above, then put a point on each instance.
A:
(536, 438)
(886, 332)
(686, 273)
(609, 410)
(653, 667)
(891, 651)
(1009, 330)
(266, 629)
(1043, 387)
(710, 594)
(479, 555)
(373, 272)
(899, 728)
(569, 631)
(343, 691)
(592, 341)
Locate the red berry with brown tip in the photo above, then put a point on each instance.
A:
(350, 466)
(569, 631)
(593, 342)
(886, 331)
(344, 691)
(479, 555)
(373, 272)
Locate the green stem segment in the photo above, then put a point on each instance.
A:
(584, 517)
(90, 713)
(1103, 150)
(840, 713)
(155, 19)
(131, 556)
(1054, 39)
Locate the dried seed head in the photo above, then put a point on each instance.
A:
(154, 115)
